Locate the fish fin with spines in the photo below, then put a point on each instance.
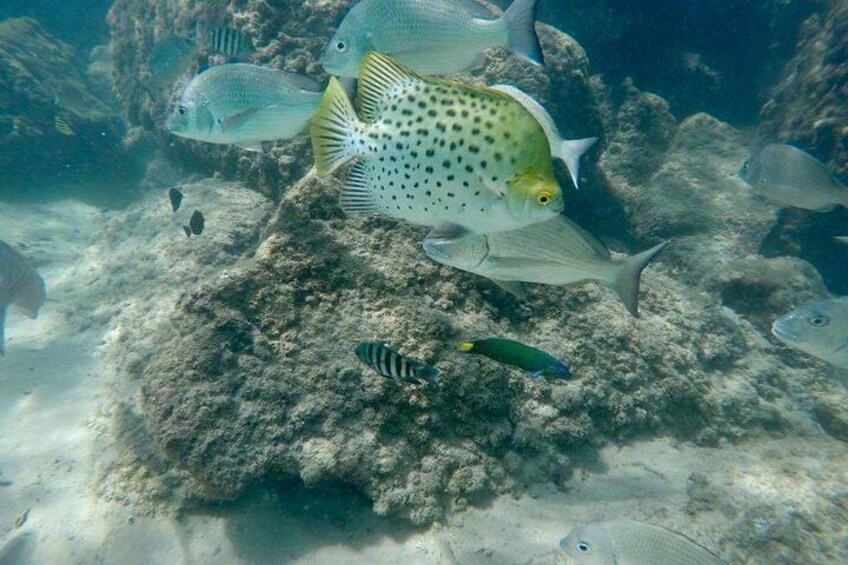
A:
(521, 30)
(357, 197)
(2, 331)
(515, 288)
(377, 74)
(626, 284)
(332, 126)
(570, 151)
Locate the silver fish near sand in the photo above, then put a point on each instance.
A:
(791, 177)
(818, 328)
(244, 105)
(431, 36)
(628, 542)
(554, 252)
(432, 151)
(569, 151)
(20, 287)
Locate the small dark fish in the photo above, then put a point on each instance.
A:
(391, 364)
(509, 352)
(22, 518)
(176, 198)
(62, 126)
(187, 231)
(229, 41)
(197, 222)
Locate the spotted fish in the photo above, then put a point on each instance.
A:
(391, 364)
(432, 151)
(20, 287)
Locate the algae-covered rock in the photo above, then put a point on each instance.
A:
(42, 79)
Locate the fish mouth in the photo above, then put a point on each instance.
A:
(782, 333)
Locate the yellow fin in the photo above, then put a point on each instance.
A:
(332, 125)
(466, 346)
(377, 74)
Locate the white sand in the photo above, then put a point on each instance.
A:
(58, 397)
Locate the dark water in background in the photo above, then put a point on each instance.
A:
(81, 23)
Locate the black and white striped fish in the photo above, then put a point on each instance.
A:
(20, 286)
(391, 364)
(229, 41)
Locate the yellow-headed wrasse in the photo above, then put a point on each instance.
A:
(515, 354)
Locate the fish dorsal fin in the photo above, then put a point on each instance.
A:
(377, 75)
(477, 10)
(588, 237)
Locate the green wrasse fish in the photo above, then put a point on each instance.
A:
(244, 105)
(569, 151)
(20, 287)
(818, 328)
(431, 36)
(516, 354)
(791, 177)
(432, 151)
(628, 542)
(555, 252)
(390, 364)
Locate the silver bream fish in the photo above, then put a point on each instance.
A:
(20, 287)
(244, 105)
(555, 252)
(431, 36)
(818, 328)
(791, 177)
(569, 151)
(628, 542)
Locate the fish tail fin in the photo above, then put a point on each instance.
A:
(428, 373)
(521, 30)
(331, 131)
(626, 284)
(2, 331)
(570, 151)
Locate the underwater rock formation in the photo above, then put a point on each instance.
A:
(809, 105)
(42, 80)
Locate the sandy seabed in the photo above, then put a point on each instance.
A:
(60, 477)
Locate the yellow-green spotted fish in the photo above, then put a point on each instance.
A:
(628, 542)
(431, 36)
(432, 151)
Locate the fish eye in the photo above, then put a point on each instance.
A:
(818, 321)
(181, 110)
(341, 46)
(583, 546)
(544, 198)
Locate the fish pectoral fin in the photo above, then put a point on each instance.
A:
(447, 231)
(357, 197)
(253, 146)
(515, 288)
(238, 119)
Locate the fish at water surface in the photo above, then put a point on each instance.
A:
(390, 364)
(819, 328)
(20, 286)
(791, 177)
(244, 105)
(431, 36)
(628, 542)
(431, 151)
(554, 252)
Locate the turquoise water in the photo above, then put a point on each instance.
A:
(191, 391)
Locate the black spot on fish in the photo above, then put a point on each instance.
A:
(187, 231)
(474, 148)
(498, 156)
(446, 163)
(456, 127)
